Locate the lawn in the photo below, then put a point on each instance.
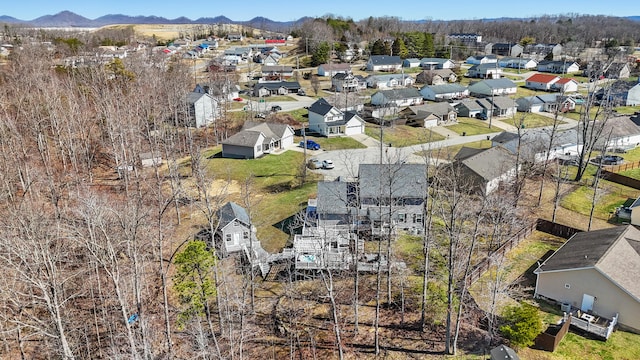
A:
(273, 189)
(531, 120)
(610, 196)
(472, 126)
(302, 115)
(403, 135)
(627, 110)
(335, 143)
(450, 151)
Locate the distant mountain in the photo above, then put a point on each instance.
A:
(62, 19)
(70, 19)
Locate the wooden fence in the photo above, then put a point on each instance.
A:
(540, 225)
(620, 179)
(622, 167)
(550, 338)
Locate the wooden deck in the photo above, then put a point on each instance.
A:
(592, 323)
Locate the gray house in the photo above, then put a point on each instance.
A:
(486, 169)
(431, 114)
(276, 88)
(444, 92)
(469, 108)
(234, 229)
(257, 139)
(503, 106)
(485, 71)
(436, 77)
(397, 97)
(493, 87)
(384, 63)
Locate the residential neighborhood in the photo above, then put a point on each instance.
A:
(321, 188)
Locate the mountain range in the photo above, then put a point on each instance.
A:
(70, 19)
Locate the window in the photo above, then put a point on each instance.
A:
(567, 286)
(417, 218)
(228, 237)
(246, 234)
(402, 217)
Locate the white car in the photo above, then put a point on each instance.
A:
(327, 164)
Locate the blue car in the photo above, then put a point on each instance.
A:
(311, 145)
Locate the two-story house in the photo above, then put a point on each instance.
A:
(328, 120)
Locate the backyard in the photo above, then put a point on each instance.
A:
(402, 135)
(471, 126)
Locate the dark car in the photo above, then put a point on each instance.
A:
(311, 145)
(302, 93)
(276, 108)
(481, 116)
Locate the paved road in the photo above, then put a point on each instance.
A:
(347, 161)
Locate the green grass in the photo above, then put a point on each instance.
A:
(471, 126)
(450, 151)
(273, 191)
(610, 196)
(301, 115)
(402, 135)
(627, 110)
(531, 120)
(335, 143)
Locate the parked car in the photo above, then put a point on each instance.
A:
(238, 99)
(314, 164)
(275, 108)
(327, 164)
(302, 93)
(311, 145)
(481, 116)
(261, 115)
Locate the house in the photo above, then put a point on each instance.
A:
(503, 352)
(389, 81)
(485, 71)
(533, 144)
(234, 37)
(243, 52)
(482, 59)
(411, 63)
(618, 70)
(504, 49)
(384, 63)
(276, 72)
(436, 63)
(542, 50)
(332, 69)
(491, 87)
(622, 132)
(201, 109)
(348, 82)
(548, 103)
(541, 81)
(565, 85)
(221, 89)
(469, 108)
(486, 169)
(432, 114)
(276, 88)
(436, 77)
(635, 212)
(502, 106)
(558, 67)
(517, 63)
(346, 101)
(392, 195)
(245, 145)
(465, 38)
(397, 97)
(234, 229)
(620, 93)
(444, 92)
(596, 272)
(150, 159)
(327, 120)
(279, 135)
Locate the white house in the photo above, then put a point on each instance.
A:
(201, 109)
(558, 67)
(389, 81)
(493, 87)
(436, 63)
(444, 92)
(411, 63)
(333, 69)
(384, 63)
(517, 63)
(348, 82)
(327, 120)
(566, 85)
(485, 71)
(397, 97)
(482, 59)
(541, 81)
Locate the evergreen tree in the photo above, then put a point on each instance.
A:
(399, 48)
(428, 48)
(523, 324)
(378, 48)
(321, 54)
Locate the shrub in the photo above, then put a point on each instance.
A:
(522, 324)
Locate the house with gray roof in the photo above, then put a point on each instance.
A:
(347, 82)
(517, 63)
(469, 108)
(436, 63)
(597, 273)
(482, 59)
(558, 67)
(431, 114)
(389, 81)
(328, 120)
(411, 63)
(547, 102)
(333, 69)
(257, 139)
(276, 72)
(485, 71)
(384, 63)
(444, 92)
(493, 87)
(202, 109)
(534, 143)
(276, 88)
(486, 170)
(502, 106)
(397, 97)
(436, 77)
(234, 229)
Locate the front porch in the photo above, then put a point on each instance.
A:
(593, 324)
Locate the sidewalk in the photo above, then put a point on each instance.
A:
(366, 140)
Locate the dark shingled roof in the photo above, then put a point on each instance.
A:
(321, 106)
(491, 163)
(244, 138)
(402, 180)
(232, 211)
(385, 60)
(332, 197)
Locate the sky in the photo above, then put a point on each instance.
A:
(288, 10)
